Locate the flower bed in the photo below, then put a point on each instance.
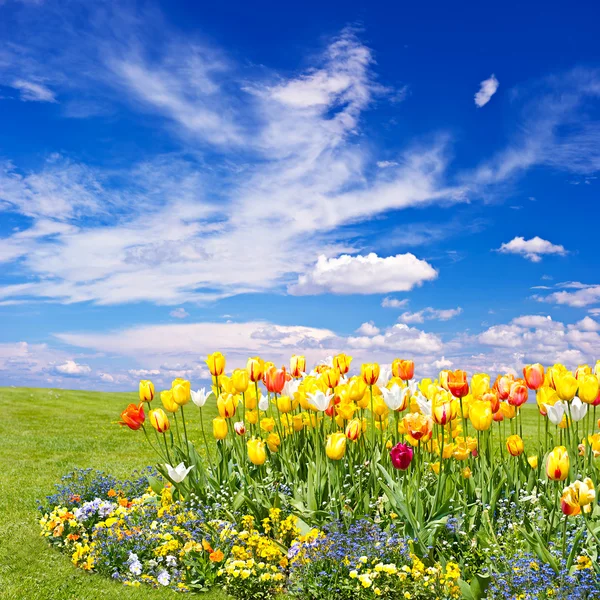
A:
(331, 486)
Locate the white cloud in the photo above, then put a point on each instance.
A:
(429, 314)
(487, 89)
(532, 249)
(71, 368)
(33, 92)
(369, 274)
(368, 329)
(388, 302)
(584, 296)
(587, 324)
(384, 164)
(179, 313)
(595, 312)
(106, 377)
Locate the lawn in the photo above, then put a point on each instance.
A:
(45, 434)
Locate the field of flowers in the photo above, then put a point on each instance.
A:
(329, 484)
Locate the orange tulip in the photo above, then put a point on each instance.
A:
(458, 384)
(274, 380)
(534, 376)
(418, 426)
(404, 369)
(133, 416)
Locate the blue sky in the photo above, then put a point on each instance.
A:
(274, 178)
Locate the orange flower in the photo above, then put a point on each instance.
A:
(133, 416)
(458, 384)
(534, 376)
(216, 556)
(207, 547)
(111, 493)
(418, 426)
(274, 379)
(405, 369)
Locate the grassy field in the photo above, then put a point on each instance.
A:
(45, 434)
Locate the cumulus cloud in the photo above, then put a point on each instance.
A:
(369, 274)
(31, 91)
(532, 249)
(179, 313)
(73, 369)
(487, 89)
(579, 299)
(430, 314)
(368, 329)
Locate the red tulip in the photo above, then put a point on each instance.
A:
(275, 380)
(133, 416)
(401, 455)
(458, 384)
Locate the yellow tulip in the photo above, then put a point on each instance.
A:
(297, 365)
(220, 428)
(335, 447)
(273, 442)
(354, 430)
(546, 395)
(146, 391)
(514, 445)
(480, 384)
(346, 411)
(181, 391)
(481, 415)
(216, 364)
(578, 495)
(588, 388)
(226, 405)
(466, 473)
(331, 377)
(380, 408)
(557, 464)
(508, 410)
(252, 416)
(370, 373)
(267, 424)
(342, 363)
(257, 452)
(255, 367)
(356, 389)
(533, 461)
(159, 420)
(240, 380)
(298, 423)
(435, 467)
(166, 397)
(284, 404)
(566, 385)
(461, 451)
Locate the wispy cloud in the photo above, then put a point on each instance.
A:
(33, 92)
(487, 89)
(430, 314)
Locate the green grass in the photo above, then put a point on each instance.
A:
(47, 433)
(43, 435)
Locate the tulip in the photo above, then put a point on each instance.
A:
(252, 416)
(335, 448)
(263, 404)
(546, 395)
(159, 420)
(356, 389)
(133, 416)
(220, 428)
(578, 409)
(257, 452)
(581, 371)
(284, 404)
(518, 393)
(435, 467)
(297, 365)
(240, 380)
(597, 368)
(181, 391)
(533, 461)
(514, 445)
(557, 464)
(404, 369)
(273, 442)
(481, 415)
(342, 363)
(331, 377)
(370, 373)
(480, 384)
(320, 401)
(396, 398)
(458, 384)
(401, 456)
(443, 377)
(274, 380)
(578, 495)
(418, 426)
(502, 386)
(425, 405)
(508, 410)
(239, 427)
(466, 473)
(179, 473)
(226, 405)
(353, 430)
(566, 385)
(588, 388)
(298, 423)
(534, 376)
(461, 451)
(216, 364)
(146, 391)
(199, 397)
(492, 398)
(557, 412)
(166, 397)
(255, 368)
(267, 424)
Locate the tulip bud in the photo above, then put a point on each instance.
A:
(404, 369)
(181, 391)
(240, 380)
(159, 420)
(216, 364)
(255, 368)
(353, 430)
(514, 445)
(481, 415)
(370, 373)
(588, 388)
(331, 377)
(557, 464)
(146, 391)
(273, 442)
(534, 376)
(342, 363)
(401, 456)
(220, 428)
(533, 461)
(239, 427)
(566, 385)
(466, 473)
(226, 405)
(257, 452)
(166, 397)
(335, 448)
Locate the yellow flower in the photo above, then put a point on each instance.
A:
(370, 373)
(480, 384)
(166, 397)
(466, 473)
(216, 364)
(256, 451)
(297, 365)
(514, 445)
(285, 404)
(255, 368)
(565, 384)
(342, 363)
(533, 461)
(146, 390)
(240, 380)
(336, 445)
(557, 464)
(481, 415)
(273, 442)
(267, 424)
(159, 420)
(220, 428)
(578, 495)
(588, 388)
(181, 391)
(226, 405)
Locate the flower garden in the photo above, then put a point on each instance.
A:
(342, 482)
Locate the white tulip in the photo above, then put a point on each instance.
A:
(424, 404)
(263, 404)
(199, 397)
(556, 412)
(385, 373)
(578, 409)
(320, 400)
(178, 473)
(395, 397)
(290, 388)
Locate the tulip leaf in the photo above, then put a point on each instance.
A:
(156, 484)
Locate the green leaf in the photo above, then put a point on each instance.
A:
(156, 484)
